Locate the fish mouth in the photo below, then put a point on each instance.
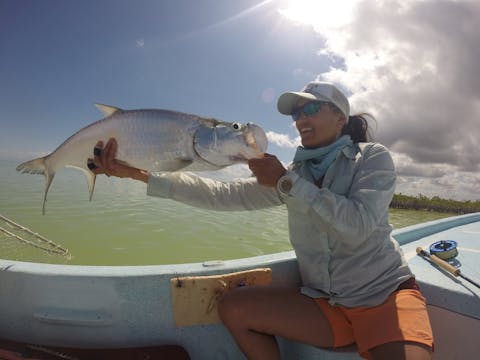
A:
(257, 141)
(227, 147)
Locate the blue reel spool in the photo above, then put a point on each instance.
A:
(444, 249)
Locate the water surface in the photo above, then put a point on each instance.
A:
(123, 226)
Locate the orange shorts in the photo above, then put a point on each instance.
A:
(402, 317)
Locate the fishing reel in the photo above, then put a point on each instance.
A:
(444, 249)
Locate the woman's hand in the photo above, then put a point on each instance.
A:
(104, 162)
(267, 169)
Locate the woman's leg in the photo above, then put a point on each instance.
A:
(399, 328)
(254, 314)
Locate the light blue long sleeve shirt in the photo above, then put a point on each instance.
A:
(340, 231)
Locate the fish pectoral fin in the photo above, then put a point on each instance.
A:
(172, 165)
(107, 110)
(91, 177)
(91, 185)
(48, 181)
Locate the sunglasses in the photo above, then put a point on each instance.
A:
(309, 109)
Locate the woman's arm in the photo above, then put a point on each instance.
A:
(191, 189)
(246, 194)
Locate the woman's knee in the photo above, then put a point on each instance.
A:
(229, 307)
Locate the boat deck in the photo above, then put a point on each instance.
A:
(441, 288)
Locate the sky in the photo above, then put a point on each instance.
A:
(412, 64)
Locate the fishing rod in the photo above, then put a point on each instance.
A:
(444, 265)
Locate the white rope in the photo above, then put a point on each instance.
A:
(50, 247)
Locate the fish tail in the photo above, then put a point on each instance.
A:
(39, 166)
(35, 166)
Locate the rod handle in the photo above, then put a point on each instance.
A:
(442, 263)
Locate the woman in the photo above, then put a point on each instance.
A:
(357, 287)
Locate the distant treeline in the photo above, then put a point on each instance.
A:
(422, 202)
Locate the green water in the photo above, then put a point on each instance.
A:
(122, 226)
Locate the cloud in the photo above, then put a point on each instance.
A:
(458, 185)
(282, 140)
(413, 64)
(406, 167)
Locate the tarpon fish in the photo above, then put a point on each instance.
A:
(154, 140)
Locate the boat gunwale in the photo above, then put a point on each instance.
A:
(403, 236)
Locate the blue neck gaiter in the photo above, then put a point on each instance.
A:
(318, 160)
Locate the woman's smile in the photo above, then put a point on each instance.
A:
(319, 129)
(306, 130)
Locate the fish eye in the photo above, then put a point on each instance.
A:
(236, 126)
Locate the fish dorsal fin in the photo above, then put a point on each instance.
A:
(107, 110)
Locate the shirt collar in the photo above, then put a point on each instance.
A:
(350, 151)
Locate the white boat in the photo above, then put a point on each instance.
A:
(131, 306)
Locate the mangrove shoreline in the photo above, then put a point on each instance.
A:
(435, 203)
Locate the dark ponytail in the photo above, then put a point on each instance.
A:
(357, 128)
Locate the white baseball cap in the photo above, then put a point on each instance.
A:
(315, 90)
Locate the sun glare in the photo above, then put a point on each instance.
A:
(319, 13)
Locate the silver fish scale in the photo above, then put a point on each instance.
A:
(147, 138)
